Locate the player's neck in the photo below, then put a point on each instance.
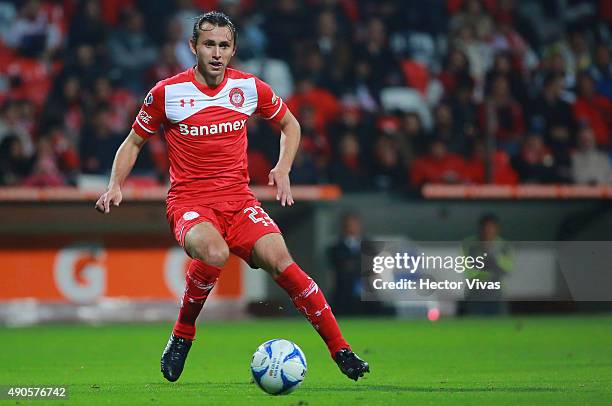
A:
(209, 81)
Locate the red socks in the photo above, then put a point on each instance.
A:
(309, 300)
(304, 292)
(200, 280)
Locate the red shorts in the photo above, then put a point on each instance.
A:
(240, 223)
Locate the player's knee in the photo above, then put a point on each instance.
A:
(213, 254)
(280, 263)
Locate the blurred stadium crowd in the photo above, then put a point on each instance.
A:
(390, 94)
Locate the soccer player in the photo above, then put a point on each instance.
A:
(210, 207)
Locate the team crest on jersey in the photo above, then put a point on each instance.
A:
(274, 98)
(149, 99)
(236, 97)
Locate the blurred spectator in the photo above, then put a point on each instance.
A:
(446, 130)
(15, 165)
(478, 52)
(304, 170)
(503, 66)
(536, 163)
(185, 15)
(590, 165)
(320, 101)
(360, 124)
(335, 51)
(366, 92)
(87, 27)
(438, 166)
(121, 103)
(373, 49)
(313, 140)
(15, 122)
(167, 65)
(507, 40)
(253, 40)
(346, 168)
(65, 107)
(131, 51)
(45, 171)
(388, 170)
(575, 51)
(498, 263)
(501, 116)
(593, 110)
(552, 115)
(464, 110)
(554, 64)
(85, 66)
(456, 71)
(65, 153)
(345, 258)
(473, 16)
(32, 34)
(286, 26)
(502, 172)
(180, 43)
(601, 70)
(99, 143)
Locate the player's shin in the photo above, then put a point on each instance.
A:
(310, 301)
(199, 281)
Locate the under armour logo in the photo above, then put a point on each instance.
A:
(191, 102)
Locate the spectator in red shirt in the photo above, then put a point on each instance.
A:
(593, 109)
(46, 170)
(501, 170)
(322, 101)
(439, 166)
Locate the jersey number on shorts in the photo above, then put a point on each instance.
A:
(263, 216)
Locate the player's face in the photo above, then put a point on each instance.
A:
(214, 50)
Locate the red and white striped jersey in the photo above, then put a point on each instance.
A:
(206, 132)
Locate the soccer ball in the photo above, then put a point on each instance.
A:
(278, 366)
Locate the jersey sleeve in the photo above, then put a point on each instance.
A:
(151, 114)
(269, 105)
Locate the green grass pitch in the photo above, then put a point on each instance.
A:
(531, 360)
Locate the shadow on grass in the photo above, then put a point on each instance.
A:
(364, 387)
(424, 389)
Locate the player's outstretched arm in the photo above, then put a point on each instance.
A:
(125, 158)
(289, 142)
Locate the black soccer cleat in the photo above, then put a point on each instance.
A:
(350, 364)
(174, 356)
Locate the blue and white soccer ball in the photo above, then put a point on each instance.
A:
(278, 366)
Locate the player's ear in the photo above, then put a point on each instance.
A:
(192, 46)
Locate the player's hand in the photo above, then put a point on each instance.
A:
(112, 196)
(283, 186)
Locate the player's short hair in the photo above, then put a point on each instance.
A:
(215, 18)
